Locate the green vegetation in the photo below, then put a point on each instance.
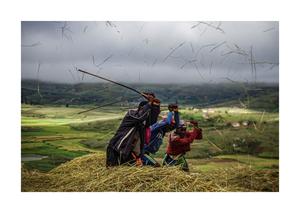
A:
(46, 135)
(236, 136)
(61, 135)
(258, 135)
(255, 96)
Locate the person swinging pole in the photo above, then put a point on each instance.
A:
(127, 144)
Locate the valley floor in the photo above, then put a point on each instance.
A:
(239, 152)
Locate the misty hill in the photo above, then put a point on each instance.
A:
(257, 96)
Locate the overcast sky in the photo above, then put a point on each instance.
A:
(151, 52)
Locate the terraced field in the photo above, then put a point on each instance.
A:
(234, 139)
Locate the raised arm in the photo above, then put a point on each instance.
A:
(189, 137)
(169, 118)
(142, 114)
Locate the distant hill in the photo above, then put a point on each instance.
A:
(259, 96)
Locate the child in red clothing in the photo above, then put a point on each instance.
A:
(179, 144)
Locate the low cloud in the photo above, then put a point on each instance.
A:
(137, 51)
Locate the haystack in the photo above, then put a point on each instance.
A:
(89, 174)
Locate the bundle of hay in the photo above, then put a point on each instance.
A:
(88, 173)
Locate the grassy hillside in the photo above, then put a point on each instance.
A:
(53, 132)
(254, 96)
(59, 134)
(64, 151)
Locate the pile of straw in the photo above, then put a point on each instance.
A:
(88, 174)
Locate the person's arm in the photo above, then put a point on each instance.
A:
(169, 118)
(189, 137)
(142, 114)
(163, 123)
(176, 118)
(158, 125)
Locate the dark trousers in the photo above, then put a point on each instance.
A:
(180, 160)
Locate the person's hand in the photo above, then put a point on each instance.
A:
(146, 94)
(155, 101)
(194, 123)
(175, 108)
(149, 96)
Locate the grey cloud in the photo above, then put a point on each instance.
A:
(138, 50)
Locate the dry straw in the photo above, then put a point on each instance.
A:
(89, 174)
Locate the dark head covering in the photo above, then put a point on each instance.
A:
(141, 104)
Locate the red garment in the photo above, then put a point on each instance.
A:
(147, 135)
(178, 145)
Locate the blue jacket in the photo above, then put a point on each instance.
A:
(158, 131)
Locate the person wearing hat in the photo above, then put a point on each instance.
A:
(126, 146)
(179, 143)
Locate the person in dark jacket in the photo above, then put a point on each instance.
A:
(157, 133)
(179, 143)
(127, 144)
